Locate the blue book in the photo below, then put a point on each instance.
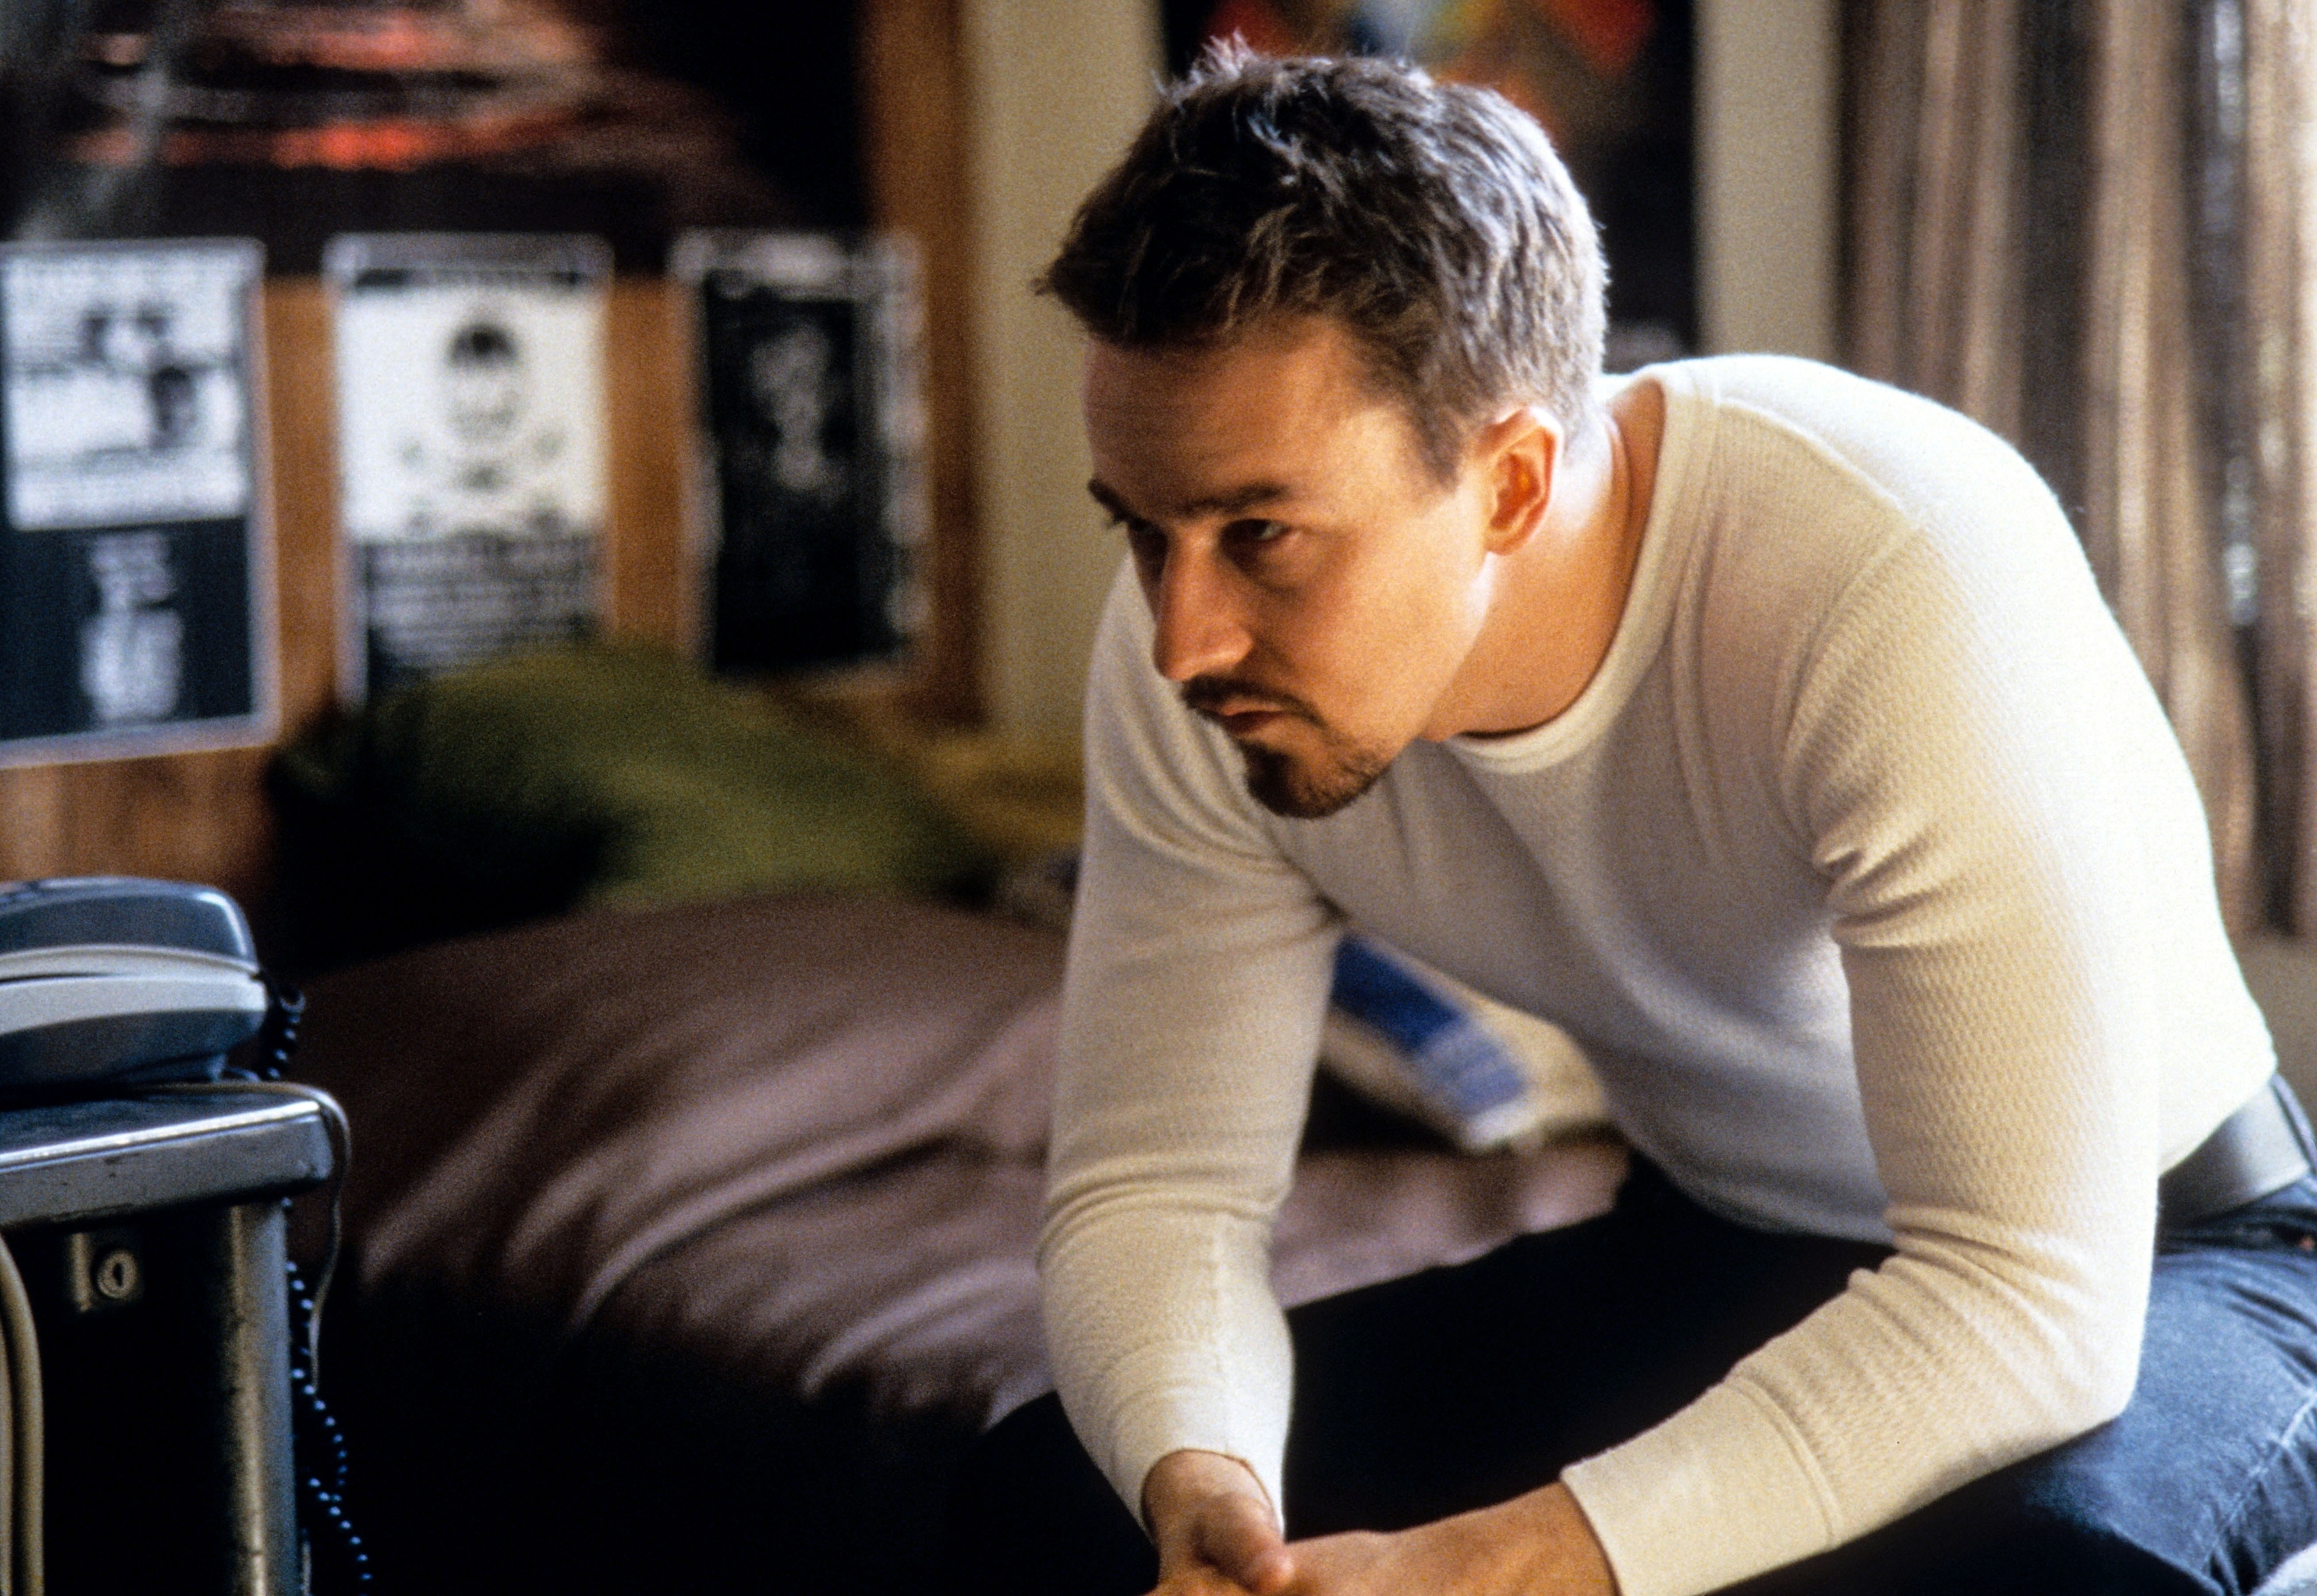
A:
(1433, 1049)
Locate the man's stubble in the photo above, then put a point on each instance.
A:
(1294, 786)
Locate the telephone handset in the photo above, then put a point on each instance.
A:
(116, 979)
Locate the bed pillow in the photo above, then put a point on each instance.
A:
(598, 776)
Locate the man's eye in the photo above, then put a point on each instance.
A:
(1255, 534)
(1147, 545)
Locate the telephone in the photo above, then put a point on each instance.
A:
(116, 979)
(114, 985)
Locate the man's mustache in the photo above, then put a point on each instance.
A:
(1206, 696)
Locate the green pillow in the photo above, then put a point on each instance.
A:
(582, 777)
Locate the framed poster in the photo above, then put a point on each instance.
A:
(813, 495)
(1613, 82)
(470, 446)
(135, 612)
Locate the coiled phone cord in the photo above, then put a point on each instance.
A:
(319, 1442)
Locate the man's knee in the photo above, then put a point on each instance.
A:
(2055, 1525)
(1033, 1515)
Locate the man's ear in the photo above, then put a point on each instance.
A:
(1519, 453)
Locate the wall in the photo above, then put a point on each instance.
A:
(204, 817)
(1058, 88)
(1768, 173)
(1053, 89)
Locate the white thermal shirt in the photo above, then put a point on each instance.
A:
(1871, 877)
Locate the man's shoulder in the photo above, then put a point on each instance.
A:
(1789, 386)
(1805, 484)
(1828, 425)
(1803, 455)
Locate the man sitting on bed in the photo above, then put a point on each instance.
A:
(1762, 726)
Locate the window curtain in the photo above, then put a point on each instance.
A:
(2051, 226)
(2267, 137)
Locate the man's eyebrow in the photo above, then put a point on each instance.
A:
(1110, 501)
(1231, 502)
(1253, 496)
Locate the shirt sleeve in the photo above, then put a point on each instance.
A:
(1978, 771)
(1199, 967)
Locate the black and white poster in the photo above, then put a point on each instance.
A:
(135, 610)
(472, 447)
(812, 476)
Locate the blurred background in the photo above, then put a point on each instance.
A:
(2079, 220)
(967, 127)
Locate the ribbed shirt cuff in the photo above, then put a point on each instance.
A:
(1147, 1431)
(1721, 1491)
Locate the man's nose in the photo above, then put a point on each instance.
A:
(1197, 629)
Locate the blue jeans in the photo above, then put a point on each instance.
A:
(2205, 1483)
(1462, 1386)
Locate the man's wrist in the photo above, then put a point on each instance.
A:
(1181, 1480)
(1554, 1527)
(1206, 1509)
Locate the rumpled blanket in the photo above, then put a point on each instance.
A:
(797, 1139)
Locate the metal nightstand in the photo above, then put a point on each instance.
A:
(151, 1234)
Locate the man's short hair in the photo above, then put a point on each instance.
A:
(1431, 220)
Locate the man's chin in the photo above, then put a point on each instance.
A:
(1298, 790)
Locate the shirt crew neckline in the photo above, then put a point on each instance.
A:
(1666, 541)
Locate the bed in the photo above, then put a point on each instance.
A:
(689, 1248)
(689, 1222)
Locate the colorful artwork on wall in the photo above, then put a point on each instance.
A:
(1610, 80)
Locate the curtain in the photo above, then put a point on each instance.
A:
(2025, 240)
(2277, 352)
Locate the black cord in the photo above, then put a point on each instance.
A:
(317, 1443)
(277, 1037)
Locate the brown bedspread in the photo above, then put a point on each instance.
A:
(797, 1140)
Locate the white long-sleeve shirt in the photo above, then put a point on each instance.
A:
(1872, 879)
